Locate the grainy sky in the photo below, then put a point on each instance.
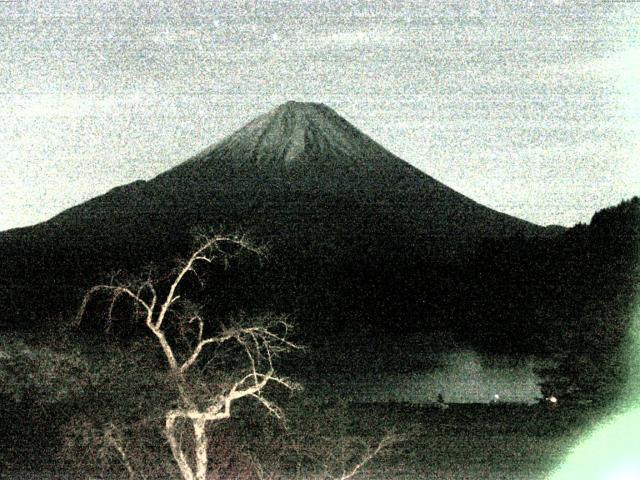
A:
(529, 107)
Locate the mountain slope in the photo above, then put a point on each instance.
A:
(295, 162)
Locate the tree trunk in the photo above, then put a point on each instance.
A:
(199, 429)
(185, 470)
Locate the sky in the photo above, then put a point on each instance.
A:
(529, 107)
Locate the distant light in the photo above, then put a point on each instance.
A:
(553, 399)
(496, 397)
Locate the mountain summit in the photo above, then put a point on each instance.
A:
(301, 142)
(298, 132)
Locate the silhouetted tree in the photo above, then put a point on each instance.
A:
(190, 345)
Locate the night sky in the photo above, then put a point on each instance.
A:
(529, 107)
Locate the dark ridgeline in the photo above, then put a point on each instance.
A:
(360, 243)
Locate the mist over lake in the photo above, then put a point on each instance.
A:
(462, 376)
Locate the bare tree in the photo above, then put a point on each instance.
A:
(190, 344)
(329, 458)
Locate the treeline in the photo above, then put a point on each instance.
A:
(599, 281)
(567, 299)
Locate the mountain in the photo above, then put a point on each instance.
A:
(337, 210)
(293, 170)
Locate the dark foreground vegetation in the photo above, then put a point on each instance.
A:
(465, 441)
(93, 399)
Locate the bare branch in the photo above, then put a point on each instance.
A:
(271, 407)
(112, 438)
(204, 253)
(197, 350)
(116, 292)
(370, 454)
(263, 339)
